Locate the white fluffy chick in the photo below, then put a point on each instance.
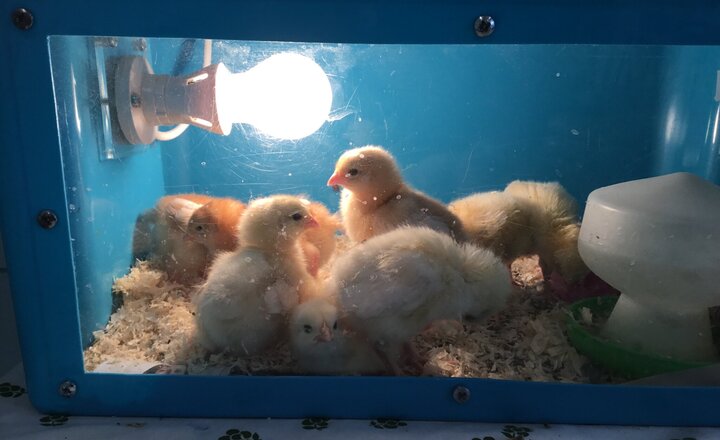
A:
(394, 285)
(160, 236)
(321, 346)
(249, 293)
(375, 199)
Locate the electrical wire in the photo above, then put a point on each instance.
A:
(180, 128)
(170, 134)
(207, 53)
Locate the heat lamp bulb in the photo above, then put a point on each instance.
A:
(286, 96)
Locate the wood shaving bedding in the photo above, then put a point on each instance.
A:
(526, 341)
(156, 323)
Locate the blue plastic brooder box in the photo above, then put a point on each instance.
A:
(468, 95)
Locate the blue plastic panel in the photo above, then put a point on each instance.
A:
(390, 21)
(689, 135)
(463, 118)
(661, 122)
(103, 196)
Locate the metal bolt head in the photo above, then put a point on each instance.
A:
(22, 18)
(106, 41)
(67, 389)
(135, 100)
(47, 219)
(461, 394)
(140, 44)
(484, 26)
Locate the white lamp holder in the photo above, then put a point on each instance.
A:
(145, 100)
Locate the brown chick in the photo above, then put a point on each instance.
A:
(318, 244)
(214, 225)
(375, 199)
(159, 235)
(171, 209)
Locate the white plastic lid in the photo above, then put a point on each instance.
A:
(677, 197)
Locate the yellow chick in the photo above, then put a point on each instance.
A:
(318, 244)
(322, 346)
(375, 199)
(159, 235)
(498, 221)
(249, 293)
(394, 285)
(556, 227)
(526, 218)
(214, 224)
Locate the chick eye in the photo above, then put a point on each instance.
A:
(335, 326)
(307, 328)
(353, 171)
(297, 216)
(199, 228)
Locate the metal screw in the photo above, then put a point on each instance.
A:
(22, 18)
(484, 26)
(461, 394)
(140, 44)
(135, 100)
(106, 41)
(47, 219)
(67, 389)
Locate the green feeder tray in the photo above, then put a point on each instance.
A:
(609, 355)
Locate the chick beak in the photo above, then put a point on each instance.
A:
(336, 180)
(311, 222)
(325, 334)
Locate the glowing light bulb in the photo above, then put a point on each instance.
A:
(286, 96)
